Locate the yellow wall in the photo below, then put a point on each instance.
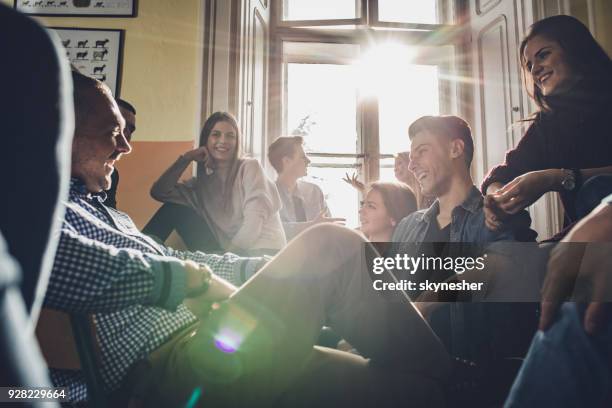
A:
(161, 77)
(161, 65)
(603, 19)
(603, 24)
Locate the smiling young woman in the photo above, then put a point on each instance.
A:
(569, 77)
(230, 192)
(384, 206)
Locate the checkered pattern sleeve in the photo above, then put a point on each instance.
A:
(231, 267)
(91, 277)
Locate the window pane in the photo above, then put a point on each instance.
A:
(412, 11)
(387, 172)
(342, 199)
(322, 106)
(404, 97)
(320, 9)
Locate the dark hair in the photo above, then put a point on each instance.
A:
(582, 52)
(399, 199)
(205, 134)
(84, 89)
(208, 127)
(126, 105)
(283, 146)
(449, 126)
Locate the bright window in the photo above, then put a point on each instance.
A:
(408, 11)
(406, 95)
(352, 96)
(322, 106)
(342, 199)
(320, 9)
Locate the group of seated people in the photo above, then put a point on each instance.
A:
(239, 324)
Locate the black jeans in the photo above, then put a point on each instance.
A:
(193, 229)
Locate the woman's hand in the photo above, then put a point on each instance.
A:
(199, 155)
(524, 190)
(322, 218)
(353, 181)
(494, 216)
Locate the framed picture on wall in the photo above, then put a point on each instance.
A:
(95, 52)
(77, 8)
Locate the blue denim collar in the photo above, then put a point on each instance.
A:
(472, 203)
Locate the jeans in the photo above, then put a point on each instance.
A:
(193, 229)
(591, 193)
(565, 367)
(256, 349)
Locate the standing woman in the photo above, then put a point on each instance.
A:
(569, 141)
(230, 192)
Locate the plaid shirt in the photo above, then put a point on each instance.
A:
(105, 266)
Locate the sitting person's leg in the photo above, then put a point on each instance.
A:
(260, 342)
(193, 229)
(570, 360)
(591, 193)
(565, 366)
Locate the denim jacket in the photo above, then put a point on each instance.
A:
(484, 320)
(467, 224)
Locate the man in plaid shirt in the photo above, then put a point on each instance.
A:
(229, 347)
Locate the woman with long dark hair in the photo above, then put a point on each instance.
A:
(569, 141)
(230, 192)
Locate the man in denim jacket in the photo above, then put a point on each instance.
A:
(440, 158)
(441, 154)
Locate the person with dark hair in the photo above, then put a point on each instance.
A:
(129, 114)
(231, 192)
(441, 153)
(303, 202)
(440, 158)
(569, 77)
(385, 204)
(227, 346)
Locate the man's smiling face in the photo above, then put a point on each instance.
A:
(99, 140)
(431, 162)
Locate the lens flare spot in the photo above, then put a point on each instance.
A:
(195, 396)
(228, 341)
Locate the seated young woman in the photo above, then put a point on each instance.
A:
(569, 77)
(385, 204)
(230, 192)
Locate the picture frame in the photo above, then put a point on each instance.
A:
(77, 8)
(95, 52)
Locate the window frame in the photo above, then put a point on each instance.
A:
(360, 5)
(368, 159)
(368, 16)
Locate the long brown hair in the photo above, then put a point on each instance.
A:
(582, 52)
(233, 170)
(398, 198)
